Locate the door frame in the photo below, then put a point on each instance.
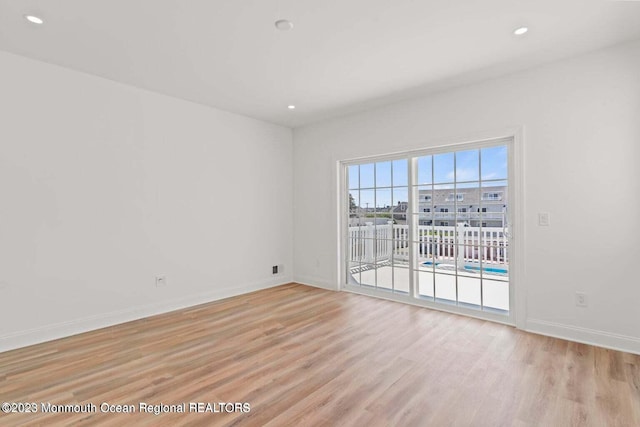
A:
(514, 139)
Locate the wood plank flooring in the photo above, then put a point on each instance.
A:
(302, 356)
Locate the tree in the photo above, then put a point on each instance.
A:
(352, 203)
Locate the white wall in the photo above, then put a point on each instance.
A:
(104, 186)
(581, 122)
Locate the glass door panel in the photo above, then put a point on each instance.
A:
(432, 227)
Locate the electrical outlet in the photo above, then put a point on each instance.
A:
(274, 269)
(161, 281)
(544, 219)
(581, 299)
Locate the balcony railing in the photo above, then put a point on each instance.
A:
(378, 243)
(467, 215)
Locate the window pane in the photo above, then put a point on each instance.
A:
(383, 246)
(467, 165)
(400, 205)
(469, 290)
(443, 205)
(468, 207)
(494, 163)
(400, 195)
(385, 277)
(495, 294)
(401, 279)
(383, 202)
(424, 170)
(353, 176)
(445, 287)
(467, 263)
(494, 203)
(401, 244)
(425, 200)
(354, 202)
(400, 173)
(353, 273)
(383, 174)
(367, 176)
(426, 247)
(425, 284)
(367, 203)
(368, 274)
(443, 167)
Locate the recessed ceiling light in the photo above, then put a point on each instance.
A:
(291, 107)
(520, 31)
(284, 25)
(34, 19)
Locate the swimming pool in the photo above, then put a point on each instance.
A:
(476, 268)
(487, 269)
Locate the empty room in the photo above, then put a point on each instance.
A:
(306, 213)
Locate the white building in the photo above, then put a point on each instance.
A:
(486, 206)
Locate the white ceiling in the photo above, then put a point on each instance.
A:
(342, 56)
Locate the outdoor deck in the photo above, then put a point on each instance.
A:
(379, 258)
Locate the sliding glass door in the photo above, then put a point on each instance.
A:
(432, 228)
(377, 233)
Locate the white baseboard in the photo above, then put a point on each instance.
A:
(55, 331)
(557, 330)
(315, 282)
(584, 335)
(64, 329)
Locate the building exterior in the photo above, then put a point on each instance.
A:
(486, 206)
(400, 212)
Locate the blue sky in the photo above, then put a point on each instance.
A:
(437, 169)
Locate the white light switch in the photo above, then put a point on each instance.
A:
(544, 219)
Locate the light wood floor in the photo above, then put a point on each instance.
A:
(303, 356)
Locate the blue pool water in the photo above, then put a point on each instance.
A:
(487, 269)
(474, 268)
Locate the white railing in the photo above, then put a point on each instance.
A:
(468, 215)
(378, 243)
